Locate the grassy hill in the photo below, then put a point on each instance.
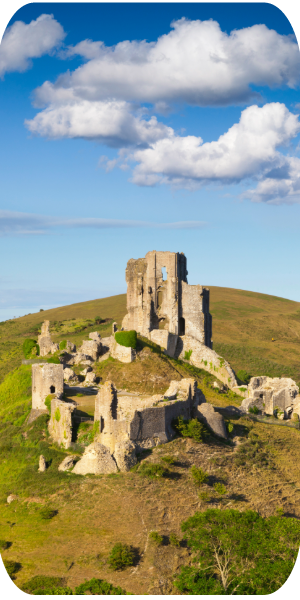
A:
(93, 513)
(244, 324)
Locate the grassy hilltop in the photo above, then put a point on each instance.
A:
(89, 514)
(244, 324)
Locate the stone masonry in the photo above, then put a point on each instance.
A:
(44, 339)
(171, 304)
(60, 424)
(278, 394)
(46, 379)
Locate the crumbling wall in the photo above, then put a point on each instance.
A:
(60, 424)
(91, 348)
(195, 312)
(44, 339)
(46, 379)
(271, 394)
(166, 340)
(206, 358)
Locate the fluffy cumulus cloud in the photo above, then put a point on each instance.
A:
(196, 63)
(111, 122)
(247, 149)
(23, 42)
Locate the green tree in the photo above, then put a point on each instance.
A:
(121, 556)
(238, 552)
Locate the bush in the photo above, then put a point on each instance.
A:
(60, 591)
(53, 360)
(199, 476)
(168, 459)
(174, 539)
(4, 545)
(48, 402)
(220, 488)
(188, 354)
(126, 338)
(192, 428)
(238, 553)
(63, 345)
(98, 587)
(28, 346)
(121, 556)
(48, 513)
(12, 567)
(152, 470)
(155, 537)
(243, 376)
(254, 410)
(41, 583)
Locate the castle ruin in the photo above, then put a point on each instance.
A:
(46, 379)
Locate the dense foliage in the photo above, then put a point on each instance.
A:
(192, 428)
(121, 556)
(126, 338)
(28, 346)
(99, 587)
(238, 552)
(55, 586)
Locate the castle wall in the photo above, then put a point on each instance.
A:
(46, 379)
(60, 424)
(204, 357)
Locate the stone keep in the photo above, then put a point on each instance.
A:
(44, 339)
(46, 379)
(157, 303)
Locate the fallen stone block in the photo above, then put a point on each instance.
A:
(97, 460)
(214, 420)
(69, 375)
(11, 498)
(90, 378)
(125, 456)
(67, 463)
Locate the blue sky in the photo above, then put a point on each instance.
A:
(112, 149)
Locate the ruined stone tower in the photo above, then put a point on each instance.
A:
(155, 302)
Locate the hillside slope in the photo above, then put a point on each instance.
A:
(244, 324)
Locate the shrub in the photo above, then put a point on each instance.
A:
(48, 513)
(220, 488)
(188, 354)
(53, 359)
(243, 376)
(174, 539)
(152, 470)
(192, 428)
(28, 346)
(238, 553)
(97, 320)
(155, 537)
(4, 545)
(12, 567)
(254, 410)
(121, 556)
(63, 345)
(126, 338)
(168, 459)
(40, 583)
(199, 476)
(204, 496)
(59, 591)
(98, 587)
(48, 402)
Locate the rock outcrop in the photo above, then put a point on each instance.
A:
(67, 463)
(125, 455)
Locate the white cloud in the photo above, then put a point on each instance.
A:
(279, 190)
(195, 63)
(23, 42)
(18, 223)
(247, 149)
(111, 122)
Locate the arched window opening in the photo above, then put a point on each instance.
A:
(52, 389)
(181, 326)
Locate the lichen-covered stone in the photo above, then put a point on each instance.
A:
(96, 460)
